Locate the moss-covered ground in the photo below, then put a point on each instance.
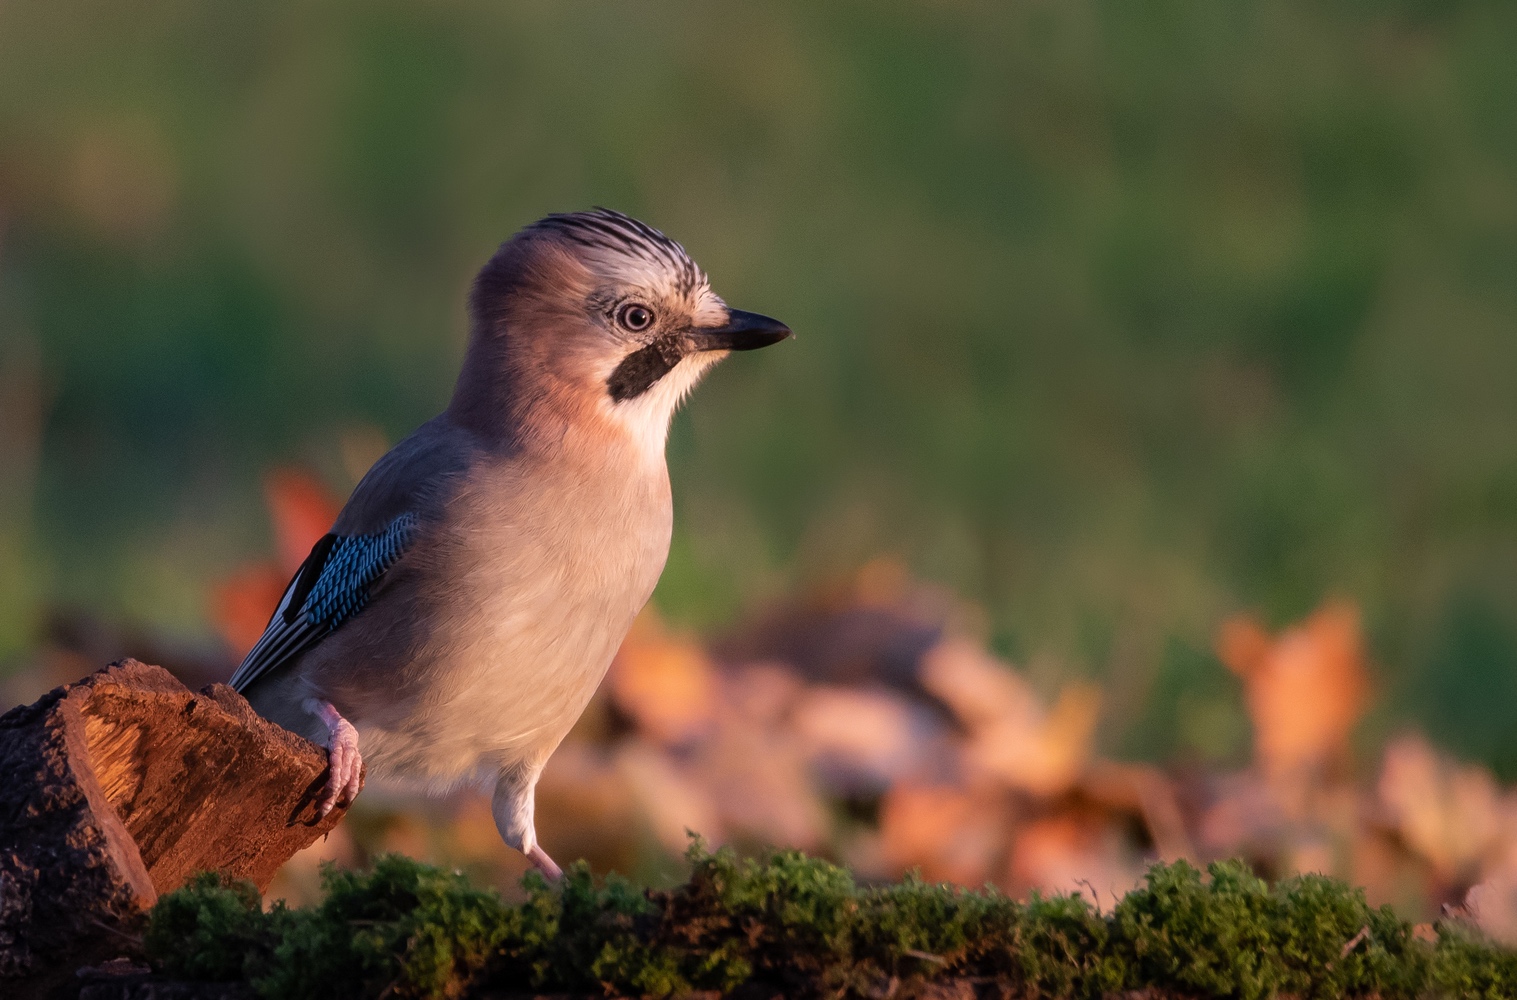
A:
(799, 927)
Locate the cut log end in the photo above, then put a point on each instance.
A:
(116, 790)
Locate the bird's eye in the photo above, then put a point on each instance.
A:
(635, 317)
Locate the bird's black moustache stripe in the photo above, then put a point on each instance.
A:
(640, 370)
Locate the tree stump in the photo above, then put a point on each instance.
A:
(117, 789)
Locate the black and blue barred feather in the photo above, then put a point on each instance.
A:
(353, 566)
(333, 585)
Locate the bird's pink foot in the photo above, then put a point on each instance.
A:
(544, 864)
(344, 764)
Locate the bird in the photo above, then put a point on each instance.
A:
(478, 582)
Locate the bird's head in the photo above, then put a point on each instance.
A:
(595, 313)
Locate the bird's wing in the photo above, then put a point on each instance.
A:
(332, 586)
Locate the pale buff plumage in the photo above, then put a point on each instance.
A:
(543, 521)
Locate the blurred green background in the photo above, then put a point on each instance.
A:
(1113, 318)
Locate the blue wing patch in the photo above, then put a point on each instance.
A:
(353, 566)
(332, 586)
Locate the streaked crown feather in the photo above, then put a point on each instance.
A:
(606, 230)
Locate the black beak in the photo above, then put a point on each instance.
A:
(743, 331)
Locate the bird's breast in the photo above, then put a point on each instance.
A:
(537, 581)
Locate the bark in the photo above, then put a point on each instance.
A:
(116, 790)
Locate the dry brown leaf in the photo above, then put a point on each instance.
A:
(1013, 738)
(663, 683)
(1305, 690)
(980, 689)
(242, 603)
(670, 800)
(1070, 853)
(302, 510)
(1045, 758)
(760, 781)
(861, 739)
(762, 693)
(950, 834)
(1450, 815)
(1144, 790)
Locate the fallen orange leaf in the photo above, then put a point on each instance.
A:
(243, 602)
(663, 683)
(948, 833)
(302, 510)
(1304, 690)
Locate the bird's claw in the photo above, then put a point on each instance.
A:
(344, 769)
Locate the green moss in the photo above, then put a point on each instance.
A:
(416, 930)
(806, 928)
(1236, 936)
(1468, 967)
(404, 926)
(214, 929)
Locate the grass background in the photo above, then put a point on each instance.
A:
(1113, 318)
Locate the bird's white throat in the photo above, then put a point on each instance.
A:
(646, 417)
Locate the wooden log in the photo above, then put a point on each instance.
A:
(117, 789)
